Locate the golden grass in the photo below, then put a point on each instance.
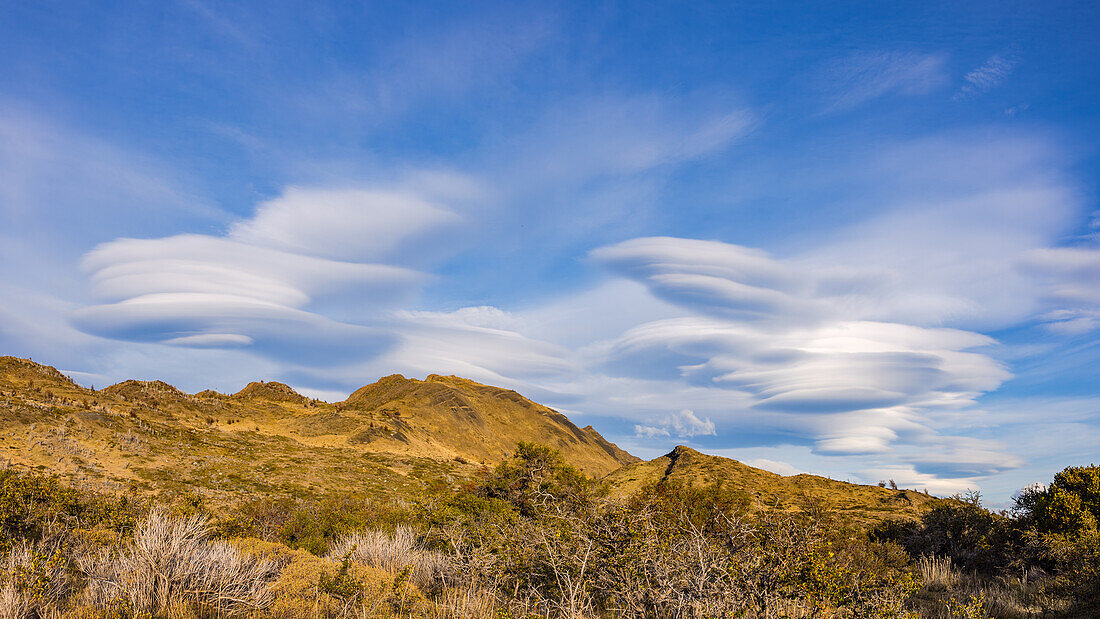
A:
(858, 503)
(937, 574)
(394, 438)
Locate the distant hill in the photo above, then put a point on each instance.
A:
(764, 489)
(463, 418)
(394, 436)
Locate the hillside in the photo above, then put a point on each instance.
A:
(460, 417)
(764, 489)
(395, 436)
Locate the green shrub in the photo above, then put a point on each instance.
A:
(536, 478)
(960, 528)
(30, 503)
(1070, 506)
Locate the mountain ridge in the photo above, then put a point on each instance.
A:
(396, 436)
(763, 489)
(152, 433)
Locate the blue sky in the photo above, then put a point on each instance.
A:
(857, 239)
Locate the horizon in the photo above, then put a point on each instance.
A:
(856, 240)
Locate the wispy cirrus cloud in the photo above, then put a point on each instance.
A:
(1072, 286)
(991, 74)
(865, 76)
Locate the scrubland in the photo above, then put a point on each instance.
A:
(534, 537)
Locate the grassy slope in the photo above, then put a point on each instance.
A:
(394, 438)
(862, 504)
(406, 435)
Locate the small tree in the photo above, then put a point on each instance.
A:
(1070, 506)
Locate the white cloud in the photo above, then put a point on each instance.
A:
(268, 286)
(729, 280)
(993, 72)
(831, 366)
(775, 466)
(1072, 287)
(476, 342)
(650, 431)
(192, 263)
(684, 424)
(346, 224)
(957, 220)
(865, 76)
(907, 477)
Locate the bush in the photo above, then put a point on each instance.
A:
(35, 580)
(535, 479)
(1064, 519)
(173, 561)
(1070, 506)
(30, 504)
(669, 551)
(961, 530)
(393, 552)
(311, 524)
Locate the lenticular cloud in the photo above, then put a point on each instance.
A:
(784, 336)
(267, 286)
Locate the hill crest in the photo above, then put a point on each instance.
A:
(392, 436)
(269, 390)
(765, 489)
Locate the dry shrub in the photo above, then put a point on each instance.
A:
(394, 552)
(937, 573)
(173, 561)
(35, 581)
(312, 586)
(464, 603)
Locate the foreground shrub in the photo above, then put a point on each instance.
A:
(311, 524)
(393, 552)
(1062, 519)
(31, 504)
(173, 561)
(1070, 506)
(36, 580)
(312, 586)
(962, 531)
(465, 603)
(561, 550)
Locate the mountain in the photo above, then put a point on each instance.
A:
(395, 436)
(764, 489)
(463, 418)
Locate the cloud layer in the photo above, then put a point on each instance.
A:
(266, 286)
(783, 336)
